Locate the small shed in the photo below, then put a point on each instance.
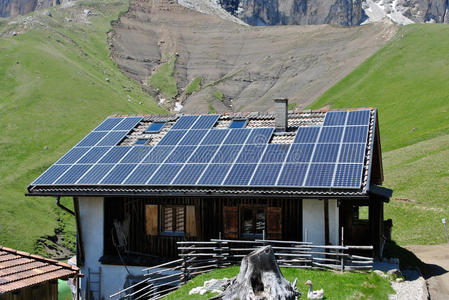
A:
(24, 276)
(142, 183)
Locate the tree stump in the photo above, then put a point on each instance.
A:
(260, 278)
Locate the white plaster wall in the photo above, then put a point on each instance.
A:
(114, 278)
(333, 222)
(91, 219)
(313, 220)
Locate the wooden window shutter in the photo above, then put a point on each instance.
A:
(274, 223)
(231, 222)
(190, 220)
(151, 219)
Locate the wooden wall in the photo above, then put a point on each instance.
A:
(45, 291)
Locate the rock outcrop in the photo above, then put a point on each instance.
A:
(12, 8)
(302, 12)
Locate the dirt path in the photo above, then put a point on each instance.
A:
(437, 259)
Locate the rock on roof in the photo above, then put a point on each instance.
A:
(21, 269)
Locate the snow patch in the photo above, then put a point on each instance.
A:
(210, 7)
(376, 10)
(178, 106)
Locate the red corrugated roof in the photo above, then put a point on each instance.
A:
(21, 269)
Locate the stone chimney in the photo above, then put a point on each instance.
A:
(281, 122)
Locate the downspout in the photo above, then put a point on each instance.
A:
(58, 203)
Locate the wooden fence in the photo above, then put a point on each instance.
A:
(197, 257)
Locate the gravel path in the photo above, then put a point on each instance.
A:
(414, 288)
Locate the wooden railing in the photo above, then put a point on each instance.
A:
(197, 257)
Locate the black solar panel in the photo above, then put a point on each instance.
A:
(214, 174)
(240, 174)
(185, 122)
(320, 175)
(266, 174)
(192, 152)
(190, 174)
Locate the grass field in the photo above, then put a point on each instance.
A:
(53, 91)
(164, 80)
(407, 81)
(335, 285)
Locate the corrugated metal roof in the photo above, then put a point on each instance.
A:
(21, 269)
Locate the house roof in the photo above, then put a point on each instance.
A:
(20, 269)
(326, 153)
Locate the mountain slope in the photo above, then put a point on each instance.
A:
(248, 65)
(407, 81)
(56, 84)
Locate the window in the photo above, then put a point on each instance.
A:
(142, 142)
(252, 222)
(238, 123)
(155, 127)
(173, 220)
(360, 214)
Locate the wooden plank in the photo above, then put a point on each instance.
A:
(151, 219)
(231, 222)
(190, 221)
(274, 222)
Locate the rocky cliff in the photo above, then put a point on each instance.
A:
(337, 12)
(12, 8)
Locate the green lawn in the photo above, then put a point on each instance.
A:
(53, 91)
(194, 86)
(336, 285)
(407, 81)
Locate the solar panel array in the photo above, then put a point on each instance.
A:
(194, 153)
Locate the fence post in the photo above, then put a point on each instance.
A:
(184, 268)
(342, 267)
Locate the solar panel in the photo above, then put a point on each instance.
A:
(215, 137)
(159, 154)
(95, 174)
(94, 155)
(180, 154)
(206, 122)
(266, 174)
(185, 122)
(108, 124)
(112, 138)
(238, 124)
(128, 123)
(237, 136)
(352, 153)
(251, 154)
(307, 135)
(292, 174)
(193, 137)
(320, 175)
(335, 118)
(359, 117)
(172, 137)
(240, 174)
(114, 155)
(348, 175)
(73, 155)
(203, 154)
(165, 174)
(214, 174)
(91, 139)
(155, 127)
(141, 174)
(331, 134)
(326, 153)
(118, 174)
(136, 154)
(190, 174)
(300, 153)
(356, 134)
(275, 153)
(260, 136)
(73, 174)
(227, 154)
(51, 174)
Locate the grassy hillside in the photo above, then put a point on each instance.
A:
(408, 81)
(53, 91)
